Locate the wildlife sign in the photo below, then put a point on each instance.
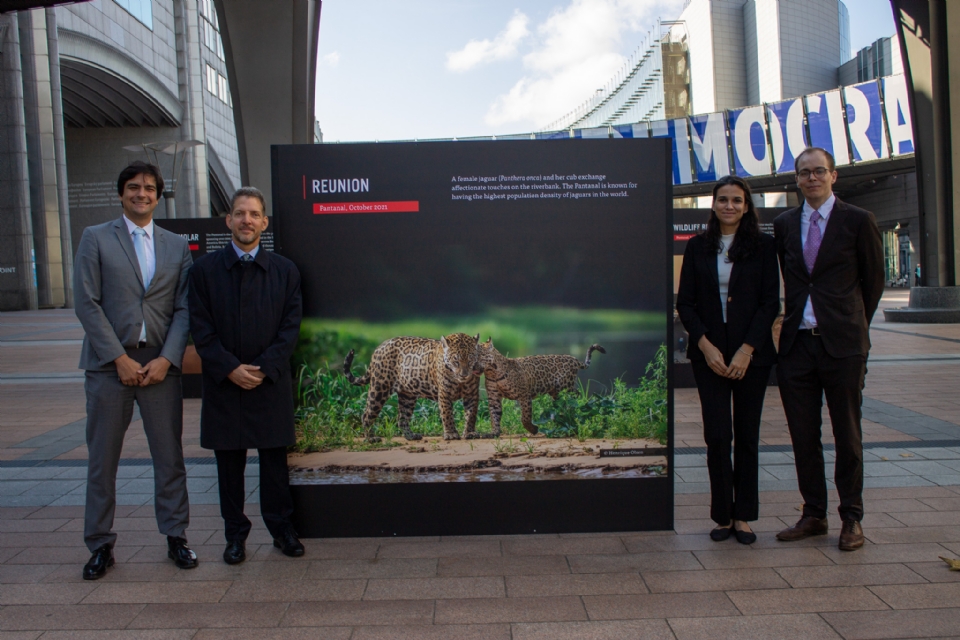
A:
(483, 321)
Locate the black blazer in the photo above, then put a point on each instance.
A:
(846, 283)
(245, 314)
(753, 301)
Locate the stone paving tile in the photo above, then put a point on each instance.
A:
(875, 625)
(753, 627)
(139, 634)
(659, 605)
(322, 614)
(156, 592)
(44, 594)
(713, 580)
(607, 630)
(178, 616)
(935, 571)
(25, 573)
(435, 588)
(913, 535)
(454, 549)
(563, 546)
(684, 542)
(216, 570)
(323, 633)
(886, 553)
(435, 632)
(83, 616)
(121, 572)
(920, 596)
(663, 561)
(386, 568)
(294, 590)
(783, 557)
(75, 555)
(575, 585)
(849, 575)
(487, 610)
(520, 565)
(752, 603)
(929, 518)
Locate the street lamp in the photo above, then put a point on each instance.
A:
(177, 149)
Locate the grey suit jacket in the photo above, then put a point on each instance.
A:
(112, 304)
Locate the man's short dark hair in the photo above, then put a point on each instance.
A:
(136, 168)
(830, 161)
(248, 192)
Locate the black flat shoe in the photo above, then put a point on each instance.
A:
(235, 553)
(182, 555)
(289, 544)
(96, 568)
(745, 537)
(721, 533)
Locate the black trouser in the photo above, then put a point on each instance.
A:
(276, 504)
(733, 485)
(806, 374)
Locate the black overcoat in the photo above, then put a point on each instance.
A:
(752, 303)
(245, 314)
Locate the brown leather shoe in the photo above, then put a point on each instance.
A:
(806, 527)
(851, 536)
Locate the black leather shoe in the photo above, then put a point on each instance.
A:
(182, 555)
(96, 568)
(289, 544)
(745, 537)
(235, 553)
(720, 533)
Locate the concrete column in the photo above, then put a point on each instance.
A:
(41, 157)
(18, 289)
(193, 191)
(939, 72)
(60, 154)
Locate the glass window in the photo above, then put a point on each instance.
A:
(212, 80)
(142, 10)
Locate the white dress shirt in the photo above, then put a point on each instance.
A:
(151, 255)
(724, 268)
(809, 317)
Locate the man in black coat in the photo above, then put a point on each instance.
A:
(831, 258)
(245, 310)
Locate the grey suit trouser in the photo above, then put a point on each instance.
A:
(109, 410)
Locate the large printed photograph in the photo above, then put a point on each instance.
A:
(479, 311)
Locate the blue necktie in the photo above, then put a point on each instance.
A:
(246, 258)
(139, 236)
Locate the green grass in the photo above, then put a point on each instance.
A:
(516, 330)
(331, 409)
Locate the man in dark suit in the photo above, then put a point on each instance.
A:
(130, 282)
(245, 310)
(831, 258)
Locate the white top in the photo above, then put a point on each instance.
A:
(809, 317)
(724, 267)
(149, 252)
(240, 252)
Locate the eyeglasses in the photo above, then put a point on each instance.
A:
(805, 174)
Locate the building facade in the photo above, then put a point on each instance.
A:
(84, 88)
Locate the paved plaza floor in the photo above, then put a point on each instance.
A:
(676, 584)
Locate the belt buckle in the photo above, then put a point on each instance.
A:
(815, 331)
(142, 344)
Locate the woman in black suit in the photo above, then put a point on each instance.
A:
(728, 298)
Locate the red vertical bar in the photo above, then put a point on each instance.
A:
(304, 187)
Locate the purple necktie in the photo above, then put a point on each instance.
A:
(813, 242)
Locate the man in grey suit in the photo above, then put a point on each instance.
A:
(130, 283)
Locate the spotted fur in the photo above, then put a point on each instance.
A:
(523, 379)
(442, 370)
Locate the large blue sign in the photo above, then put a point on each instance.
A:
(859, 123)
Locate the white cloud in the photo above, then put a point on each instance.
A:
(502, 47)
(578, 51)
(332, 59)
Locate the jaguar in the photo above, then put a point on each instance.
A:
(442, 370)
(523, 379)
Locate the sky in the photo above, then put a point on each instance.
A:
(418, 69)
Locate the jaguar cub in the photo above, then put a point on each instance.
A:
(442, 370)
(523, 379)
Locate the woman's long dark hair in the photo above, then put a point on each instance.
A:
(748, 233)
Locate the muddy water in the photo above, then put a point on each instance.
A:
(385, 476)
